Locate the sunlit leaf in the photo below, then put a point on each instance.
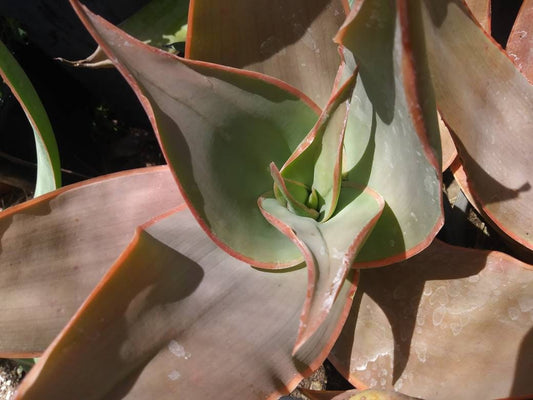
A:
(55, 249)
(392, 140)
(487, 103)
(329, 248)
(177, 317)
(48, 165)
(290, 40)
(520, 43)
(481, 9)
(449, 323)
(219, 128)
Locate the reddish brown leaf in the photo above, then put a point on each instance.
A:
(55, 249)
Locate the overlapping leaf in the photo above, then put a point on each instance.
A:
(288, 40)
(55, 249)
(177, 317)
(520, 43)
(470, 72)
(447, 315)
(392, 141)
(329, 248)
(220, 129)
(48, 164)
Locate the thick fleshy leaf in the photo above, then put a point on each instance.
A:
(177, 317)
(520, 43)
(48, 166)
(317, 162)
(160, 23)
(290, 40)
(450, 323)
(55, 249)
(392, 140)
(355, 394)
(219, 128)
(481, 9)
(329, 248)
(487, 103)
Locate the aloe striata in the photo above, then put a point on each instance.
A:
(306, 223)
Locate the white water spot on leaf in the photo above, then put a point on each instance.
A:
(336, 254)
(456, 328)
(440, 296)
(438, 315)
(178, 350)
(525, 303)
(421, 352)
(513, 313)
(420, 319)
(174, 375)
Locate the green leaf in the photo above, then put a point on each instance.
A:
(329, 248)
(219, 129)
(449, 323)
(317, 162)
(177, 317)
(487, 103)
(290, 40)
(48, 165)
(55, 249)
(160, 23)
(392, 140)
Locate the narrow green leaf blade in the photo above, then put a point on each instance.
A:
(55, 249)
(48, 164)
(219, 129)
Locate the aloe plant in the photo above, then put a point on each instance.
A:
(306, 223)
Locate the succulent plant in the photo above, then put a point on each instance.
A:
(304, 225)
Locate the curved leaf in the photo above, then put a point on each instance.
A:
(317, 162)
(290, 40)
(177, 317)
(487, 103)
(55, 249)
(48, 166)
(520, 43)
(329, 248)
(392, 140)
(450, 323)
(219, 129)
